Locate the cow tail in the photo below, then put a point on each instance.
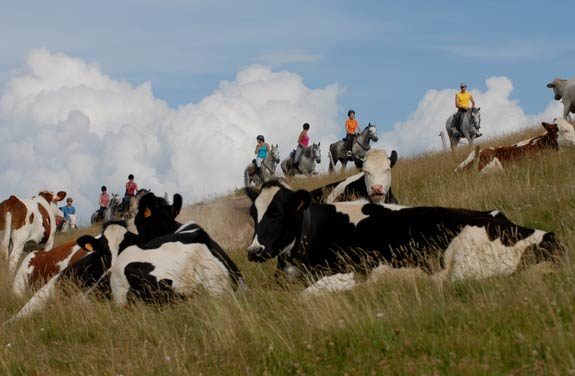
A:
(38, 301)
(5, 245)
(476, 157)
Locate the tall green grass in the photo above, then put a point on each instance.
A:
(401, 324)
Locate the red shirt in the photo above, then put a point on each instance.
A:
(104, 199)
(131, 188)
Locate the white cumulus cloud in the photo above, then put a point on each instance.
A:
(66, 125)
(499, 115)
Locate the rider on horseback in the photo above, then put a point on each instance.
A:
(104, 202)
(462, 101)
(131, 189)
(352, 129)
(261, 152)
(302, 143)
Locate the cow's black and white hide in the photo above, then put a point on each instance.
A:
(179, 263)
(316, 240)
(174, 265)
(373, 183)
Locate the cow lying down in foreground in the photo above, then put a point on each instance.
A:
(373, 183)
(317, 240)
(173, 260)
(558, 135)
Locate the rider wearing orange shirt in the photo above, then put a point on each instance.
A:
(351, 129)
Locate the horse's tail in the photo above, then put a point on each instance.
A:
(246, 177)
(330, 157)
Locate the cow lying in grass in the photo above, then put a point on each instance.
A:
(91, 272)
(373, 183)
(316, 240)
(557, 135)
(27, 220)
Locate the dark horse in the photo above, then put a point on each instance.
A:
(338, 152)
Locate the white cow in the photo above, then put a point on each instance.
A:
(564, 90)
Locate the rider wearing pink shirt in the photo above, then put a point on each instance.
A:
(302, 143)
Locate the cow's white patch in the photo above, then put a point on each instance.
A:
(472, 255)
(287, 249)
(566, 135)
(492, 167)
(329, 284)
(522, 143)
(188, 266)
(394, 207)
(494, 213)
(352, 209)
(263, 201)
(340, 188)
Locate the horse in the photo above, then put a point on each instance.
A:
(338, 152)
(267, 170)
(110, 213)
(130, 211)
(310, 156)
(469, 127)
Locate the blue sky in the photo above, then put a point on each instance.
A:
(385, 54)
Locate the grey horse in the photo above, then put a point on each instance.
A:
(267, 170)
(337, 151)
(110, 213)
(310, 156)
(469, 127)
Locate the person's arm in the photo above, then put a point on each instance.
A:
(472, 101)
(456, 102)
(256, 151)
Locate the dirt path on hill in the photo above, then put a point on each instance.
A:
(226, 219)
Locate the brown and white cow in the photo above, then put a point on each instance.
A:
(24, 220)
(560, 134)
(39, 266)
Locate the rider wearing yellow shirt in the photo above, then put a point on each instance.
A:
(463, 99)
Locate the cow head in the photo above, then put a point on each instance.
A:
(156, 217)
(377, 169)
(557, 86)
(114, 238)
(565, 133)
(52, 200)
(276, 211)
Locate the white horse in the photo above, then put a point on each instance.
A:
(267, 170)
(469, 127)
(310, 156)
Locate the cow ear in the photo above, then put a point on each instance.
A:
(252, 193)
(176, 205)
(87, 243)
(301, 200)
(393, 158)
(60, 196)
(550, 127)
(147, 201)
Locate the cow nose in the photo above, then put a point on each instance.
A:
(255, 252)
(377, 189)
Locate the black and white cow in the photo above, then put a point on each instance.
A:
(91, 272)
(179, 263)
(373, 183)
(325, 239)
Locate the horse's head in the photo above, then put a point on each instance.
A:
(275, 153)
(475, 117)
(371, 132)
(316, 152)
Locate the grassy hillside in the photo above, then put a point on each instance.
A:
(402, 324)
